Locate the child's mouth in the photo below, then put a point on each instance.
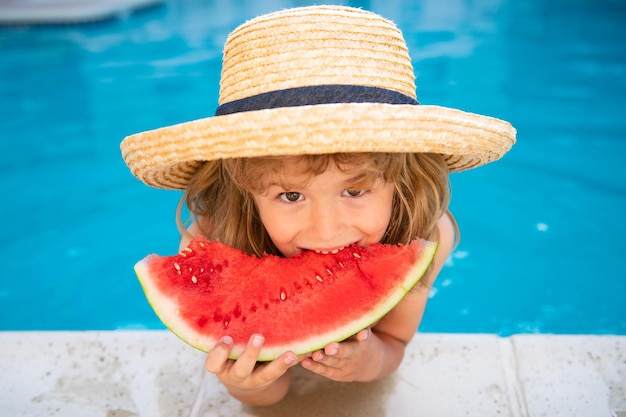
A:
(329, 251)
(326, 252)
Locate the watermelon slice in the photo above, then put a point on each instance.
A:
(301, 303)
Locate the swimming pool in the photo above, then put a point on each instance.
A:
(542, 230)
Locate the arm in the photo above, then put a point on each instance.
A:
(377, 352)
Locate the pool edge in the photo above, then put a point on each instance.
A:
(152, 373)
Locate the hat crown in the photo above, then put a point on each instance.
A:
(318, 45)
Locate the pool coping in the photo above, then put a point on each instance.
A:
(153, 373)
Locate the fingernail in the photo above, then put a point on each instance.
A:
(257, 340)
(227, 340)
(289, 359)
(333, 351)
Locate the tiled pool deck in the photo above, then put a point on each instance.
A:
(154, 374)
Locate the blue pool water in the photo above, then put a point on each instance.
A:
(542, 230)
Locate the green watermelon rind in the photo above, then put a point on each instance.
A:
(167, 313)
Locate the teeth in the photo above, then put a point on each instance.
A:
(325, 252)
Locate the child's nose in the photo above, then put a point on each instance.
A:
(326, 223)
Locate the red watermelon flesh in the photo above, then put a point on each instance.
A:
(298, 304)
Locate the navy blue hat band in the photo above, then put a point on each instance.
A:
(316, 94)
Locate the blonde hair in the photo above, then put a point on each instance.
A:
(220, 194)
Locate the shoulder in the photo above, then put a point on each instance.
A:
(193, 231)
(445, 236)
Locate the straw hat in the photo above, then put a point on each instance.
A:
(315, 80)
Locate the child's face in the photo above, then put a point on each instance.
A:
(326, 214)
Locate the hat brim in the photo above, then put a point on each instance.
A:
(168, 157)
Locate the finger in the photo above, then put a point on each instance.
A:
(271, 371)
(320, 368)
(217, 357)
(332, 356)
(244, 365)
(332, 349)
(363, 335)
(313, 365)
(317, 356)
(312, 358)
(339, 350)
(289, 359)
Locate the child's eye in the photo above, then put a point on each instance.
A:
(291, 196)
(354, 193)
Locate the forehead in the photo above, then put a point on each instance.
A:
(256, 174)
(311, 165)
(299, 172)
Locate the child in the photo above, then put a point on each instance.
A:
(319, 143)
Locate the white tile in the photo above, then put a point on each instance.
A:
(573, 376)
(442, 375)
(97, 374)
(453, 375)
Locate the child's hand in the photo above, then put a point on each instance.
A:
(354, 359)
(244, 378)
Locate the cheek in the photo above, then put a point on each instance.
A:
(277, 228)
(379, 217)
(380, 223)
(282, 234)
(279, 231)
